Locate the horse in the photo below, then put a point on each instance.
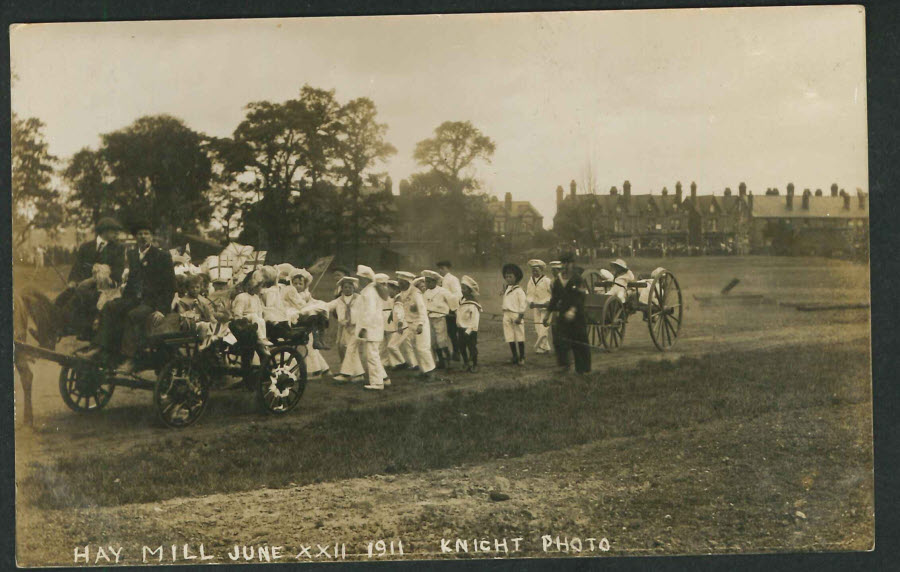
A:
(33, 308)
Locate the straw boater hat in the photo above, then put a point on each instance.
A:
(468, 281)
(510, 268)
(431, 274)
(620, 263)
(365, 272)
(381, 278)
(534, 262)
(393, 283)
(606, 274)
(556, 264)
(404, 275)
(349, 279)
(419, 280)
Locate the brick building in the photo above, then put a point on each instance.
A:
(517, 221)
(811, 224)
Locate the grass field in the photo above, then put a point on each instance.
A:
(764, 412)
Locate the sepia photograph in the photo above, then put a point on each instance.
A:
(441, 287)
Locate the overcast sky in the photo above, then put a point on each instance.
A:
(763, 95)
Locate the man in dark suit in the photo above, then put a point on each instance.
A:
(147, 297)
(79, 300)
(567, 303)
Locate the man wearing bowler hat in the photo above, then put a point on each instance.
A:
(147, 297)
(79, 299)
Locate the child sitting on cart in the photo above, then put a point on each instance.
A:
(197, 311)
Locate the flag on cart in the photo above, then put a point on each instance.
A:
(254, 260)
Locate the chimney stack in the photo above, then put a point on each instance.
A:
(507, 200)
(846, 198)
(613, 191)
(678, 195)
(818, 192)
(834, 189)
(861, 197)
(693, 192)
(626, 188)
(727, 191)
(665, 192)
(742, 189)
(805, 200)
(572, 187)
(560, 193)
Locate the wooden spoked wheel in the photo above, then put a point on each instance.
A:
(613, 323)
(181, 393)
(664, 311)
(282, 380)
(85, 389)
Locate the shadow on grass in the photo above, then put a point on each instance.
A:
(460, 427)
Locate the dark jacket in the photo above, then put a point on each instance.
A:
(151, 281)
(570, 295)
(86, 256)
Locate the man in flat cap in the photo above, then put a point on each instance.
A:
(567, 302)
(79, 299)
(146, 298)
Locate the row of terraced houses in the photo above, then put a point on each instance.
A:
(809, 223)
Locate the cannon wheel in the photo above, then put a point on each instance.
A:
(85, 389)
(664, 311)
(282, 380)
(181, 393)
(612, 332)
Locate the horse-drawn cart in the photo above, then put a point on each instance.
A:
(183, 374)
(657, 299)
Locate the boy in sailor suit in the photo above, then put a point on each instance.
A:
(537, 292)
(515, 304)
(467, 318)
(417, 323)
(345, 309)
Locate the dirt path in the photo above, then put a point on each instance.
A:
(682, 491)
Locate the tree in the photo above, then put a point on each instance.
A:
(455, 147)
(91, 196)
(451, 155)
(159, 171)
(289, 150)
(36, 204)
(361, 146)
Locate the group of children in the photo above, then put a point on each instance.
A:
(409, 322)
(420, 323)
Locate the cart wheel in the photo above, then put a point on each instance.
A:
(612, 331)
(664, 311)
(85, 389)
(282, 380)
(181, 393)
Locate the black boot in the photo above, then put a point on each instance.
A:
(521, 353)
(515, 353)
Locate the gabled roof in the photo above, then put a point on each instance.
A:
(518, 209)
(775, 206)
(725, 204)
(631, 205)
